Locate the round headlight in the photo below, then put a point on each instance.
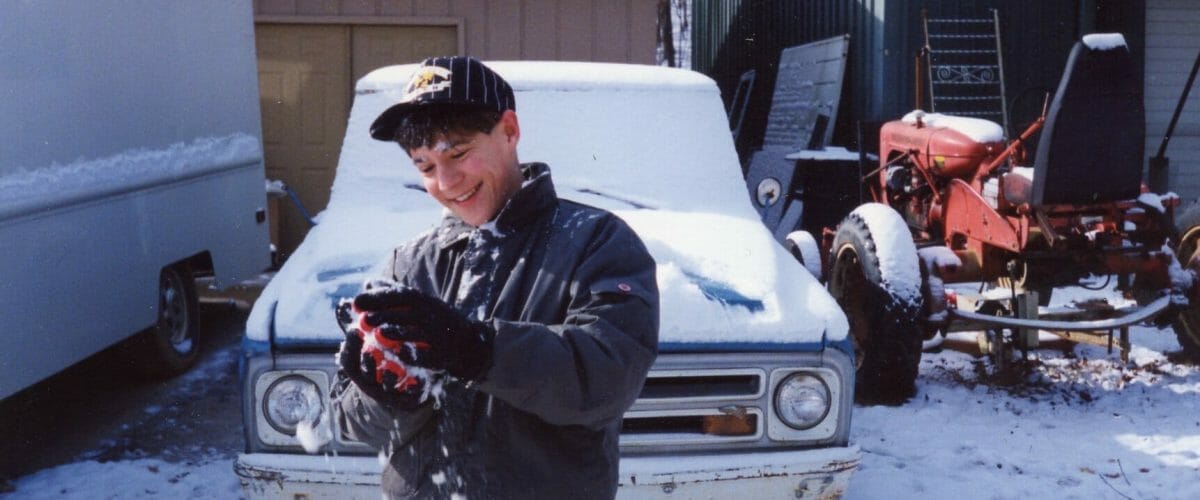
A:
(802, 400)
(291, 400)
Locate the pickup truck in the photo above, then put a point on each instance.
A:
(752, 389)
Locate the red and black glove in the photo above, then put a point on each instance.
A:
(375, 366)
(442, 338)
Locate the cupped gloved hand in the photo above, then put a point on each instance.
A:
(444, 338)
(374, 365)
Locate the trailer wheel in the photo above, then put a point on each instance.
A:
(872, 272)
(172, 345)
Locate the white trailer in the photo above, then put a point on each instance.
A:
(130, 160)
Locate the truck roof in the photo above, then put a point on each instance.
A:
(555, 75)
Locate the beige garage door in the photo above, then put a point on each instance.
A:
(306, 75)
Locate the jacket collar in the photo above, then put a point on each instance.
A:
(536, 195)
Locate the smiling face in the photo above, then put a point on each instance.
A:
(472, 174)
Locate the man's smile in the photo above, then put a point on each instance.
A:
(468, 194)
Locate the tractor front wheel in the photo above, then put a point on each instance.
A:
(875, 278)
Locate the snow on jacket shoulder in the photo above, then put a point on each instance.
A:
(571, 293)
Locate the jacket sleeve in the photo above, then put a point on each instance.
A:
(363, 419)
(588, 369)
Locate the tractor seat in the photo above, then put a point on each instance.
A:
(1090, 149)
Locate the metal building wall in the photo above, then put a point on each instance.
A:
(1172, 43)
(732, 36)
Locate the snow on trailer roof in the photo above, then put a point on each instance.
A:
(563, 76)
(33, 188)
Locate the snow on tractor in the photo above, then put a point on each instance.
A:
(954, 203)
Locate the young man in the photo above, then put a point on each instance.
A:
(503, 347)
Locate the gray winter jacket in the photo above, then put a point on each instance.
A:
(571, 293)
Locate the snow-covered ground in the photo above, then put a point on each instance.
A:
(127, 437)
(1078, 424)
(1074, 422)
(1081, 424)
(141, 478)
(132, 463)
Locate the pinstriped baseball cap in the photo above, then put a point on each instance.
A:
(446, 80)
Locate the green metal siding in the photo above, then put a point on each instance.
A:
(732, 36)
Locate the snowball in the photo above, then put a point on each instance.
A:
(311, 437)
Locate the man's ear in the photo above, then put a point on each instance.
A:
(510, 126)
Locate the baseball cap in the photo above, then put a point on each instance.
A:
(446, 80)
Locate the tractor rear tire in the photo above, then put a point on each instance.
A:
(882, 305)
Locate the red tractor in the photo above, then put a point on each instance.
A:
(953, 203)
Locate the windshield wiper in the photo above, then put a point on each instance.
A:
(634, 204)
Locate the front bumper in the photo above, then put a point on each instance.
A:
(816, 473)
(278, 475)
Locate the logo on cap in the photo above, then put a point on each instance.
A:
(427, 80)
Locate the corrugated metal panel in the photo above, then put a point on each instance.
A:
(733, 36)
(1172, 42)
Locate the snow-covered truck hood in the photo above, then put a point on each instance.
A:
(649, 144)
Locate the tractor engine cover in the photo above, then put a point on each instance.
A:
(951, 146)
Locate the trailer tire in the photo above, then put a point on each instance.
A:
(172, 345)
(882, 314)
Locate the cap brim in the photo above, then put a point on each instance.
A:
(384, 127)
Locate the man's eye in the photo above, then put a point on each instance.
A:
(458, 153)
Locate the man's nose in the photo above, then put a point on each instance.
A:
(448, 175)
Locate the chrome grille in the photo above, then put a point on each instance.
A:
(711, 401)
(702, 385)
